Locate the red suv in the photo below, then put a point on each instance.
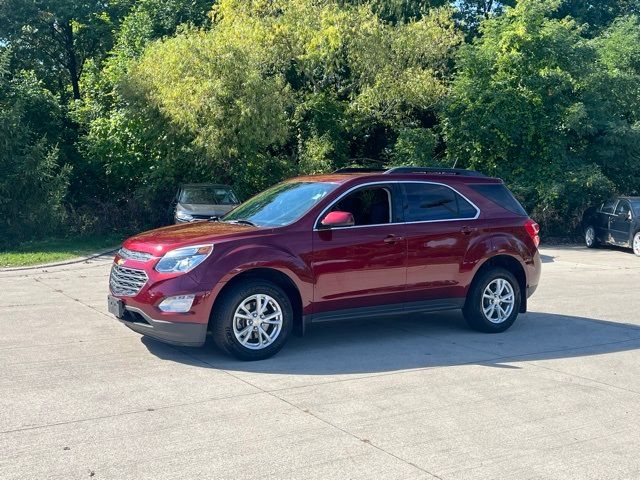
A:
(356, 243)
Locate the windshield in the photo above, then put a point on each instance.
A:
(281, 204)
(635, 204)
(208, 195)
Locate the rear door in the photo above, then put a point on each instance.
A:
(620, 224)
(439, 223)
(362, 266)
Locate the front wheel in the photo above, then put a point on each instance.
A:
(636, 244)
(590, 239)
(253, 320)
(493, 302)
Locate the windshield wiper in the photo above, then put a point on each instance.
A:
(242, 222)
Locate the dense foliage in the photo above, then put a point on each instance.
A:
(538, 104)
(105, 107)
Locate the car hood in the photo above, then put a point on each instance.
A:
(200, 209)
(161, 240)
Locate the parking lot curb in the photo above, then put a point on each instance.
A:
(71, 261)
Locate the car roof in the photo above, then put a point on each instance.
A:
(342, 178)
(204, 185)
(633, 199)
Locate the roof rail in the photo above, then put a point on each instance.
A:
(437, 171)
(359, 170)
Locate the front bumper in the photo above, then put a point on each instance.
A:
(175, 333)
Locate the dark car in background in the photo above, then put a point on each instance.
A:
(203, 201)
(615, 222)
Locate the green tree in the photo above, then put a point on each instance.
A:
(300, 85)
(32, 184)
(524, 108)
(400, 11)
(613, 137)
(133, 156)
(472, 12)
(596, 15)
(55, 38)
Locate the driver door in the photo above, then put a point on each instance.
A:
(361, 266)
(620, 224)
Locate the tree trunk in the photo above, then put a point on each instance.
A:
(72, 62)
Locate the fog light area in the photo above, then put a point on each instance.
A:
(177, 304)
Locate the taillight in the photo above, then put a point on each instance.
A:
(533, 229)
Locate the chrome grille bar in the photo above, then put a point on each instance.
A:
(126, 282)
(134, 255)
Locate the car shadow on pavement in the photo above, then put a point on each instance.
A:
(547, 258)
(419, 341)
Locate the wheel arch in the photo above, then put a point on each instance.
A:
(275, 276)
(510, 264)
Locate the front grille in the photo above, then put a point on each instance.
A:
(126, 282)
(134, 255)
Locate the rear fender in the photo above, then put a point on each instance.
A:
(479, 249)
(514, 250)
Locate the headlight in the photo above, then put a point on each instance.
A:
(185, 217)
(183, 259)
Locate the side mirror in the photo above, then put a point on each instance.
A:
(338, 219)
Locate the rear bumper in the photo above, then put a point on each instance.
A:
(175, 333)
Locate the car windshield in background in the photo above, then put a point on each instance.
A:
(281, 204)
(207, 195)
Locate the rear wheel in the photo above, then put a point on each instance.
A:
(253, 320)
(493, 302)
(636, 244)
(590, 239)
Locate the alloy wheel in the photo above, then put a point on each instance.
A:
(498, 300)
(636, 244)
(257, 321)
(589, 236)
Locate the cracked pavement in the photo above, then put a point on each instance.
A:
(417, 397)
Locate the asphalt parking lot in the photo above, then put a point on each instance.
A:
(557, 396)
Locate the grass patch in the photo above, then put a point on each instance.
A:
(55, 250)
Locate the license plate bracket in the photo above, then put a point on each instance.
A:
(115, 306)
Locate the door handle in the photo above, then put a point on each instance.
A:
(392, 239)
(468, 230)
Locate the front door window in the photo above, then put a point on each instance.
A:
(369, 206)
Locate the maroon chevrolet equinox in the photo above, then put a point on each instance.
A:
(356, 243)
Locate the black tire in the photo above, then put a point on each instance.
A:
(473, 309)
(635, 243)
(590, 238)
(222, 318)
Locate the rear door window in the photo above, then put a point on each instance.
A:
(429, 202)
(623, 208)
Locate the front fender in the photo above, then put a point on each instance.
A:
(227, 263)
(248, 257)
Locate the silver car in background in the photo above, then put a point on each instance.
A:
(203, 201)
